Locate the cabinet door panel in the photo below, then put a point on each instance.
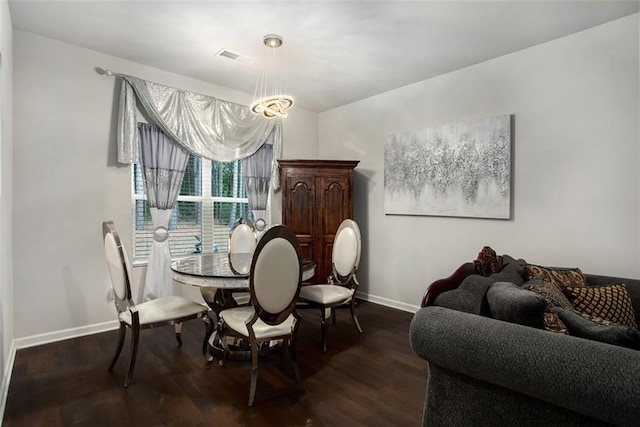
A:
(307, 246)
(335, 201)
(301, 200)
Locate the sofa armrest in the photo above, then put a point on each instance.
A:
(595, 379)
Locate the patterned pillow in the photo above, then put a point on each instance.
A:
(611, 303)
(550, 292)
(552, 322)
(561, 277)
(554, 298)
(596, 319)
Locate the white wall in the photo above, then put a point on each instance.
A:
(576, 176)
(6, 224)
(67, 180)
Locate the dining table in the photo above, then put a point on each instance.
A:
(220, 276)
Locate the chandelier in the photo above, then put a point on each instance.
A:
(268, 99)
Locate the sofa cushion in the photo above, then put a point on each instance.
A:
(593, 328)
(471, 295)
(611, 303)
(561, 277)
(514, 304)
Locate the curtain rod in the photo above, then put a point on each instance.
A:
(108, 72)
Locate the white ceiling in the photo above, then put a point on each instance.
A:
(334, 52)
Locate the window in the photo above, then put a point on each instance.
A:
(212, 197)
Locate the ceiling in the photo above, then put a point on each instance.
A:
(334, 52)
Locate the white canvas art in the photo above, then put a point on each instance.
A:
(461, 169)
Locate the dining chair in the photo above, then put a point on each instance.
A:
(172, 310)
(242, 240)
(274, 283)
(342, 284)
(242, 237)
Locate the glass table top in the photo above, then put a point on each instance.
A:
(215, 265)
(221, 265)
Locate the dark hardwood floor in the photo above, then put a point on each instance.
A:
(368, 379)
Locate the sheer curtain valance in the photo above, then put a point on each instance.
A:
(206, 126)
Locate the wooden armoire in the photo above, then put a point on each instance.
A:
(317, 195)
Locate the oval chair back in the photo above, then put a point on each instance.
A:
(243, 239)
(276, 275)
(118, 266)
(346, 251)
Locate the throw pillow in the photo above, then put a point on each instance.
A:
(599, 330)
(611, 303)
(561, 277)
(552, 322)
(513, 304)
(512, 272)
(469, 296)
(554, 298)
(508, 259)
(549, 291)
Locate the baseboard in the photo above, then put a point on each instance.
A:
(6, 377)
(388, 302)
(65, 334)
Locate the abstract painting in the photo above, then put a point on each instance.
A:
(460, 170)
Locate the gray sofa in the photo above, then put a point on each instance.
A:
(484, 371)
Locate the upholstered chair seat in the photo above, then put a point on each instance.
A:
(237, 318)
(163, 310)
(328, 295)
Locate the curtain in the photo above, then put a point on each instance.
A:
(257, 176)
(163, 164)
(209, 127)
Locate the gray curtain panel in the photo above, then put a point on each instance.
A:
(257, 175)
(163, 162)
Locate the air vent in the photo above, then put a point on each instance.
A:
(227, 54)
(238, 58)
